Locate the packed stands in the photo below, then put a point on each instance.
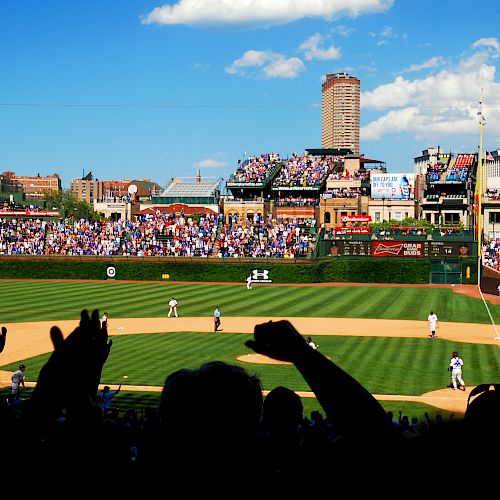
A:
(255, 169)
(21, 236)
(305, 170)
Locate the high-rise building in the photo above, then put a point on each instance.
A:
(340, 112)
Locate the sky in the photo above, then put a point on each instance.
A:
(151, 89)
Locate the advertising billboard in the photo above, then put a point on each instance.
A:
(388, 248)
(393, 186)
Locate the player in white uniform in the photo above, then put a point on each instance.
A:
(249, 282)
(104, 321)
(433, 319)
(311, 343)
(173, 307)
(455, 367)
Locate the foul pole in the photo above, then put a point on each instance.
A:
(480, 181)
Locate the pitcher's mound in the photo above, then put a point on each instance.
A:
(260, 359)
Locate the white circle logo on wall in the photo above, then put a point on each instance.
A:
(110, 272)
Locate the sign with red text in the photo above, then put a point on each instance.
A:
(397, 249)
(355, 218)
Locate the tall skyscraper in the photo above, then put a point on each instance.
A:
(340, 112)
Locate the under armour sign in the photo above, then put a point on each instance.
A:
(260, 276)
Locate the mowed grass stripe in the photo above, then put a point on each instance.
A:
(22, 301)
(306, 303)
(396, 302)
(346, 301)
(282, 302)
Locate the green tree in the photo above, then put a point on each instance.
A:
(70, 207)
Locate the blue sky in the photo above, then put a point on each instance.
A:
(150, 89)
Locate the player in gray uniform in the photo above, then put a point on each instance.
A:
(455, 368)
(17, 380)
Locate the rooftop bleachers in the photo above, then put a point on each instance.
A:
(181, 187)
(255, 169)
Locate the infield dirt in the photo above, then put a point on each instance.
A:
(31, 339)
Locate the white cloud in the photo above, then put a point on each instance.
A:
(258, 12)
(438, 105)
(284, 68)
(265, 64)
(490, 43)
(312, 50)
(430, 63)
(251, 58)
(342, 30)
(210, 163)
(385, 32)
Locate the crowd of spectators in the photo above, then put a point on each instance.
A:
(22, 236)
(297, 201)
(256, 169)
(305, 170)
(160, 234)
(343, 193)
(349, 175)
(491, 254)
(456, 171)
(493, 194)
(276, 239)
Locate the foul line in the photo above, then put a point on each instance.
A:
(497, 337)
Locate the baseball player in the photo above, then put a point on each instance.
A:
(104, 321)
(249, 282)
(173, 307)
(17, 380)
(311, 343)
(455, 368)
(216, 319)
(432, 319)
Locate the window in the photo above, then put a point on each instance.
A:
(377, 217)
(327, 217)
(452, 218)
(494, 217)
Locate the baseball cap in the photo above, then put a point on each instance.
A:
(21, 367)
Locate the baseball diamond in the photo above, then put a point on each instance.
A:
(29, 339)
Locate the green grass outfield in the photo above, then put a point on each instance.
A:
(39, 301)
(408, 366)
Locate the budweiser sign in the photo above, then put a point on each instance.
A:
(355, 218)
(397, 249)
(30, 213)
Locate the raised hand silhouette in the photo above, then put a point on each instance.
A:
(278, 340)
(351, 407)
(70, 378)
(3, 337)
(356, 417)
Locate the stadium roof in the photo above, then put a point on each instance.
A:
(186, 187)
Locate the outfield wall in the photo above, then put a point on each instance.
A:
(338, 269)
